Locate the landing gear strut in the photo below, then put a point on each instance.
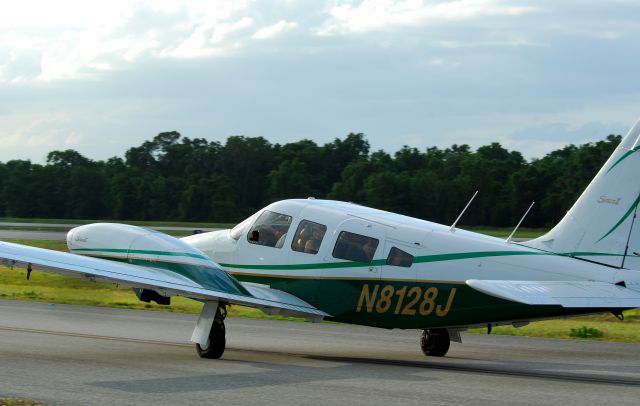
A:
(435, 342)
(211, 344)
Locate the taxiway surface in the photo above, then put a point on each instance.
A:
(77, 355)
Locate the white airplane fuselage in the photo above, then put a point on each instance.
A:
(431, 292)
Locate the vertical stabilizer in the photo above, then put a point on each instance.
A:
(602, 225)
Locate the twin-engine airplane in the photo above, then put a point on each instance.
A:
(344, 262)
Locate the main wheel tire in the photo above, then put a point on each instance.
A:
(435, 342)
(217, 342)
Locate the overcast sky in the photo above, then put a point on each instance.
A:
(101, 77)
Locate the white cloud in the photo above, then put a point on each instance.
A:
(76, 39)
(443, 72)
(470, 43)
(42, 131)
(372, 15)
(208, 38)
(274, 30)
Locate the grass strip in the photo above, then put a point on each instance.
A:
(20, 402)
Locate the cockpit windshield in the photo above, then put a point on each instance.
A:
(238, 230)
(270, 229)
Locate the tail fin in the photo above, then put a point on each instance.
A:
(602, 225)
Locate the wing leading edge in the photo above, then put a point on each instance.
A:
(570, 294)
(164, 281)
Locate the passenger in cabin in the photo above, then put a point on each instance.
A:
(308, 237)
(302, 238)
(368, 250)
(271, 236)
(355, 247)
(313, 244)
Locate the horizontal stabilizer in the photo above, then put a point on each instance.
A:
(584, 294)
(163, 281)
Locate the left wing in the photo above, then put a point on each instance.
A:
(165, 282)
(586, 294)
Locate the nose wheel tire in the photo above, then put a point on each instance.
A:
(435, 342)
(217, 342)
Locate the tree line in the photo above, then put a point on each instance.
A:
(178, 178)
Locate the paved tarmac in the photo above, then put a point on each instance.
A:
(75, 355)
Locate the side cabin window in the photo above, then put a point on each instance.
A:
(355, 247)
(308, 237)
(270, 229)
(397, 257)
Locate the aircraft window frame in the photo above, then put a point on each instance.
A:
(271, 230)
(305, 243)
(351, 247)
(237, 231)
(398, 257)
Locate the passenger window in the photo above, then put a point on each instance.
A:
(355, 247)
(397, 257)
(270, 229)
(308, 237)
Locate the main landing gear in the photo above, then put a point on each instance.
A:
(435, 342)
(209, 334)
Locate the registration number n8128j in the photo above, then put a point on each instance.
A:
(408, 301)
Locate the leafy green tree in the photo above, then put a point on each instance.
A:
(247, 162)
(3, 177)
(175, 177)
(351, 186)
(289, 180)
(209, 199)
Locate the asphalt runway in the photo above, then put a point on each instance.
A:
(75, 355)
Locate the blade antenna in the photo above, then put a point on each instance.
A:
(453, 226)
(520, 222)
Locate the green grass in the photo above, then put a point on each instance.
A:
(612, 329)
(49, 288)
(20, 402)
(43, 287)
(504, 232)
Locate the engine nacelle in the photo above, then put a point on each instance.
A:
(125, 242)
(151, 248)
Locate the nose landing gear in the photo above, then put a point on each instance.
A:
(209, 334)
(216, 343)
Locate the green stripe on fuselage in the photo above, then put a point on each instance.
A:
(380, 262)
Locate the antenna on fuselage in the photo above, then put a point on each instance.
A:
(453, 226)
(520, 222)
